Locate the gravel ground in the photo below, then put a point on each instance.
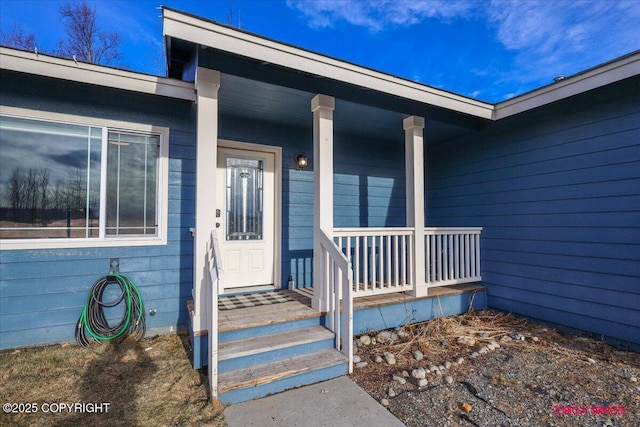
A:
(547, 379)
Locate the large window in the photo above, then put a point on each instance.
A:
(65, 181)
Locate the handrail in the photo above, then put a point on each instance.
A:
(337, 277)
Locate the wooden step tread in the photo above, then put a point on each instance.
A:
(231, 320)
(268, 372)
(264, 343)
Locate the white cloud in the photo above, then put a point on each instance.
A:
(377, 15)
(564, 37)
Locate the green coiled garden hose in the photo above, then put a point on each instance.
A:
(93, 322)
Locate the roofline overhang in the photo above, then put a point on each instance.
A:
(213, 35)
(66, 69)
(602, 75)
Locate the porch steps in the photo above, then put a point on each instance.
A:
(266, 350)
(246, 352)
(260, 380)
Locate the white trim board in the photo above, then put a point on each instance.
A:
(66, 69)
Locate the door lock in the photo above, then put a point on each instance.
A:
(217, 213)
(217, 225)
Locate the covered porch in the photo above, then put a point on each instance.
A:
(353, 225)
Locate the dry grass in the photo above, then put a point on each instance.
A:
(146, 383)
(522, 383)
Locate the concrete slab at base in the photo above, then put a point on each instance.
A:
(337, 402)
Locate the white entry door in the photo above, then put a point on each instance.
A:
(245, 217)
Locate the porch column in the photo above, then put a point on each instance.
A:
(322, 107)
(414, 166)
(205, 293)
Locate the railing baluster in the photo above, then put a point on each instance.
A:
(365, 259)
(356, 263)
(396, 265)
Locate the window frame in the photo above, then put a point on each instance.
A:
(107, 125)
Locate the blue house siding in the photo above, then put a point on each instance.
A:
(558, 196)
(369, 187)
(42, 292)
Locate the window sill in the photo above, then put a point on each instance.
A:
(7, 245)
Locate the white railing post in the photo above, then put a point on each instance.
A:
(414, 165)
(322, 107)
(338, 275)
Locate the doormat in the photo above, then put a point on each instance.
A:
(232, 302)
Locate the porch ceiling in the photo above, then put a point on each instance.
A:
(258, 100)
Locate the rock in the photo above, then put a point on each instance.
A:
(384, 402)
(460, 360)
(394, 336)
(357, 343)
(433, 368)
(590, 360)
(535, 339)
(391, 392)
(378, 359)
(355, 349)
(466, 341)
(402, 333)
(633, 379)
(483, 335)
(399, 379)
(448, 379)
(365, 340)
(483, 350)
(505, 338)
(447, 364)
(441, 368)
(419, 373)
(357, 359)
(405, 374)
(383, 337)
(517, 336)
(474, 354)
(495, 344)
(390, 358)
(361, 364)
(466, 407)
(373, 341)
(418, 355)
(438, 372)
(423, 382)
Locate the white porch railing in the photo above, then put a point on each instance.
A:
(338, 281)
(452, 255)
(381, 258)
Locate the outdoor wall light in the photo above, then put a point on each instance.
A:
(302, 161)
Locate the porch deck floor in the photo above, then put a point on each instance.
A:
(300, 306)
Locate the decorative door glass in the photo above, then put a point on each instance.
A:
(244, 197)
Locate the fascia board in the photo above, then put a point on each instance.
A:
(212, 35)
(611, 72)
(49, 66)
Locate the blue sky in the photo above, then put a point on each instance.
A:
(490, 50)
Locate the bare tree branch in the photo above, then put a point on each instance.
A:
(84, 39)
(17, 38)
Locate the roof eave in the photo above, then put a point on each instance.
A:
(211, 34)
(51, 66)
(593, 78)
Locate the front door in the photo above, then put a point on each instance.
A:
(245, 217)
